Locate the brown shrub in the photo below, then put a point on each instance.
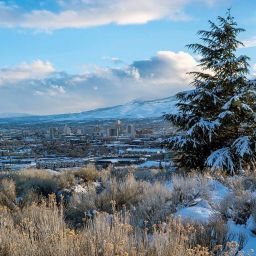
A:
(66, 180)
(40, 181)
(188, 188)
(7, 193)
(88, 173)
(40, 230)
(238, 205)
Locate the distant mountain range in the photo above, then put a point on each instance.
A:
(13, 115)
(137, 109)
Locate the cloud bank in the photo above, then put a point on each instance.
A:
(89, 13)
(38, 89)
(35, 70)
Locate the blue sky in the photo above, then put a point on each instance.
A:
(71, 55)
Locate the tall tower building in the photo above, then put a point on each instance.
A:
(53, 132)
(118, 127)
(67, 130)
(130, 130)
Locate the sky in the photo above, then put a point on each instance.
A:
(63, 56)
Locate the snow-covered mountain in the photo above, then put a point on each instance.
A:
(133, 110)
(137, 109)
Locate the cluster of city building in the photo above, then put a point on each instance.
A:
(117, 129)
(58, 146)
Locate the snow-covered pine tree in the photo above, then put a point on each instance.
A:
(216, 121)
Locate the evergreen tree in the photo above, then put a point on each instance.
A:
(216, 120)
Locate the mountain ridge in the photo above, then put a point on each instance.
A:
(137, 109)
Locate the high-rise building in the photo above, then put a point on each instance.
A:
(118, 127)
(130, 130)
(67, 130)
(112, 132)
(53, 132)
(79, 132)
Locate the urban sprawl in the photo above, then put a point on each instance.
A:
(58, 146)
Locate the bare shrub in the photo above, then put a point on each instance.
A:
(7, 193)
(248, 181)
(31, 197)
(188, 188)
(34, 230)
(88, 173)
(40, 181)
(121, 173)
(66, 180)
(128, 192)
(145, 174)
(154, 206)
(215, 233)
(149, 202)
(238, 206)
(40, 230)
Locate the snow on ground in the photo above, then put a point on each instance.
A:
(146, 150)
(217, 191)
(196, 213)
(151, 164)
(237, 229)
(51, 171)
(202, 212)
(134, 110)
(169, 185)
(78, 189)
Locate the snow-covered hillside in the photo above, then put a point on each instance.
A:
(134, 110)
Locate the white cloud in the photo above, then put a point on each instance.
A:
(167, 66)
(35, 70)
(53, 90)
(159, 76)
(88, 13)
(114, 60)
(251, 42)
(254, 70)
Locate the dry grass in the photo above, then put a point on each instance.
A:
(66, 180)
(44, 182)
(129, 215)
(40, 181)
(7, 193)
(240, 204)
(127, 193)
(40, 230)
(154, 207)
(149, 202)
(88, 173)
(238, 207)
(188, 188)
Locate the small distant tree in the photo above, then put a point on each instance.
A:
(216, 120)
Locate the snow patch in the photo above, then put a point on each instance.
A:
(196, 213)
(237, 230)
(217, 191)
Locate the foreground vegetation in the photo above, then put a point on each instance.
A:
(116, 212)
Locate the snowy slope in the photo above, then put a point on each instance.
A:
(133, 110)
